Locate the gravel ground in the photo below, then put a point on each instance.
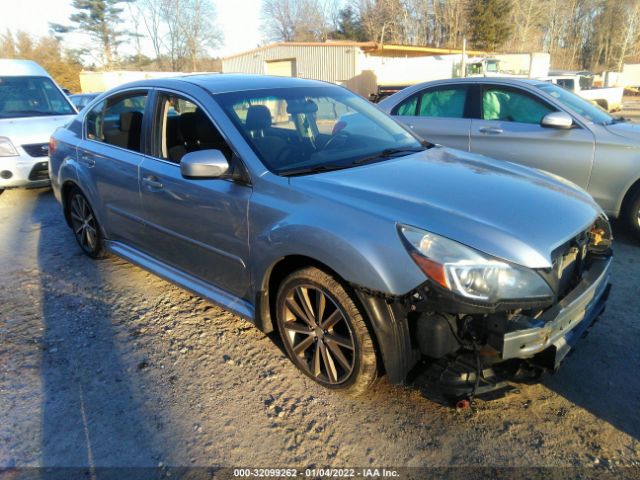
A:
(104, 364)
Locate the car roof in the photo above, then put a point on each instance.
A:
(229, 82)
(10, 67)
(501, 80)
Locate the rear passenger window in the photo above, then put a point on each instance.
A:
(117, 121)
(185, 128)
(408, 107)
(443, 102)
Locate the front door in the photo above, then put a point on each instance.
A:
(196, 225)
(510, 129)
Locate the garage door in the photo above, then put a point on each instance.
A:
(282, 68)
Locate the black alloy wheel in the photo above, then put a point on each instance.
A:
(324, 333)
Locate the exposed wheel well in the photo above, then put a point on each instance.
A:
(66, 189)
(275, 276)
(631, 193)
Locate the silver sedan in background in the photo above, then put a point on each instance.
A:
(534, 123)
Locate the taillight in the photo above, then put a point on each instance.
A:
(52, 145)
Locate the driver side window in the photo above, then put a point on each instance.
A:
(185, 128)
(509, 105)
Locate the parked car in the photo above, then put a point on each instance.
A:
(366, 250)
(80, 100)
(534, 123)
(32, 106)
(608, 98)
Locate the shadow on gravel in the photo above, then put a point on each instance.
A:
(90, 413)
(601, 375)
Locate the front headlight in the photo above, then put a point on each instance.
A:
(469, 273)
(6, 148)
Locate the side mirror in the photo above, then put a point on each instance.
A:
(204, 164)
(557, 120)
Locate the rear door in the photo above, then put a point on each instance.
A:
(109, 156)
(510, 129)
(196, 225)
(439, 114)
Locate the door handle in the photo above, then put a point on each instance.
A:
(87, 160)
(152, 183)
(491, 130)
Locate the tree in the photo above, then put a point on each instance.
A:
(99, 19)
(381, 20)
(490, 23)
(296, 20)
(198, 29)
(47, 52)
(181, 31)
(349, 26)
(151, 13)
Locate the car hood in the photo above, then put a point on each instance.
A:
(28, 130)
(627, 130)
(505, 210)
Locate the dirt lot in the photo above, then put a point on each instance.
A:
(103, 364)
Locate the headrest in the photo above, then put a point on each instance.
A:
(196, 126)
(127, 119)
(258, 117)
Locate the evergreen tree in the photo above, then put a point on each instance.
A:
(99, 19)
(349, 26)
(490, 23)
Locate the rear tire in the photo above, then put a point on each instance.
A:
(85, 225)
(324, 332)
(632, 215)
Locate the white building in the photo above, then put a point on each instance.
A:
(360, 66)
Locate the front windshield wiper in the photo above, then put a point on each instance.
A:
(391, 152)
(313, 169)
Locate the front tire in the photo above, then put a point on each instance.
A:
(85, 225)
(633, 213)
(324, 332)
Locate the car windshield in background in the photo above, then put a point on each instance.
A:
(578, 105)
(304, 130)
(31, 97)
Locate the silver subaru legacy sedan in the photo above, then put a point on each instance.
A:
(366, 249)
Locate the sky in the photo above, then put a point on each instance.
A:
(239, 21)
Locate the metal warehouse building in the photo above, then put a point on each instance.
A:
(360, 66)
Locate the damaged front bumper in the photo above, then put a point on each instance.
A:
(416, 327)
(548, 338)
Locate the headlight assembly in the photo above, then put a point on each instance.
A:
(6, 148)
(470, 273)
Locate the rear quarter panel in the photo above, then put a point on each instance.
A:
(63, 161)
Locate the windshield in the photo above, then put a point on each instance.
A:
(31, 97)
(302, 130)
(578, 105)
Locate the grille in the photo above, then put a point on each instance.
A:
(40, 171)
(37, 149)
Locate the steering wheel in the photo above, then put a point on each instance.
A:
(333, 141)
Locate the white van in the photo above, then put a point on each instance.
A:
(32, 106)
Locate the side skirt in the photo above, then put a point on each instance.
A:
(196, 286)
